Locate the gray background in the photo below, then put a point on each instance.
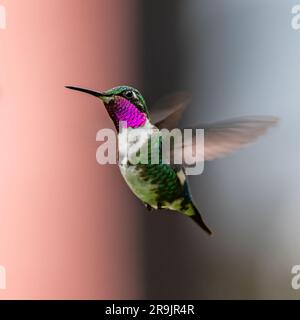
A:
(237, 58)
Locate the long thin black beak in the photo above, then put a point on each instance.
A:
(93, 93)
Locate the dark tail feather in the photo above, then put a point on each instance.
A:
(198, 219)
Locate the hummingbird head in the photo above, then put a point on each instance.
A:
(123, 104)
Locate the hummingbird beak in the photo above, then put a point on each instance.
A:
(102, 95)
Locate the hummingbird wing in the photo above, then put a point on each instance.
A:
(225, 137)
(167, 112)
(220, 138)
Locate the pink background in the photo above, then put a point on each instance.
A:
(68, 226)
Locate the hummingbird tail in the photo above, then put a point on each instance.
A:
(198, 219)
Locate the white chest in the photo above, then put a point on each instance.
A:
(132, 140)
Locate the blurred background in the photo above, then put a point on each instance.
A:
(70, 228)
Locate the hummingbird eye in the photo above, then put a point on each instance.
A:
(129, 94)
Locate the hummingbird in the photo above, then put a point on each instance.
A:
(165, 185)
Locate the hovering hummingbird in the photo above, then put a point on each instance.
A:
(165, 186)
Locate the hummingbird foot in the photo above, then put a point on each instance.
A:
(149, 208)
(159, 205)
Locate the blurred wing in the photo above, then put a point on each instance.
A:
(223, 138)
(167, 112)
